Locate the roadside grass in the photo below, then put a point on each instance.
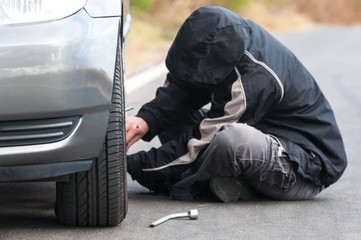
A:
(156, 22)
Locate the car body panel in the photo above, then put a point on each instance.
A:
(50, 70)
(58, 69)
(97, 8)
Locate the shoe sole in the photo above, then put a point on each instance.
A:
(226, 189)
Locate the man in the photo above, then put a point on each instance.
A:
(269, 125)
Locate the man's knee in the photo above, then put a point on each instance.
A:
(247, 147)
(223, 138)
(237, 136)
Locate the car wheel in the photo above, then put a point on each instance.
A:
(98, 197)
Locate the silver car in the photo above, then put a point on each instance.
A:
(62, 103)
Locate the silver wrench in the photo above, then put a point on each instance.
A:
(191, 214)
(129, 108)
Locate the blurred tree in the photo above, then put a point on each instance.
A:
(141, 5)
(234, 4)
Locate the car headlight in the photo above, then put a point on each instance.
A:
(27, 11)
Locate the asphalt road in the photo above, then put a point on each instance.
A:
(333, 56)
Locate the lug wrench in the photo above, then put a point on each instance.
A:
(129, 108)
(192, 214)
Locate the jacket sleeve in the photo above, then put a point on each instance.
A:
(172, 103)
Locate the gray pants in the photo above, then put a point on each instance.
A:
(243, 151)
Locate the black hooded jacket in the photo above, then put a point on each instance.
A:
(252, 78)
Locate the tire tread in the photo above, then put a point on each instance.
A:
(98, 197)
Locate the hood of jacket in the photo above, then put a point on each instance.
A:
(208, 46)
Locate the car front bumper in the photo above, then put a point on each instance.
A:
(53, 70)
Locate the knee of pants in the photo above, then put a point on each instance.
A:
(239, 136)
(247, 148)
(225, 139)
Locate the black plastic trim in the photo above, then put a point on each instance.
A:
(42, 171)
(31, 132)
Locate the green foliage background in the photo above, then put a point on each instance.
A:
(325, 11)
(156, 22)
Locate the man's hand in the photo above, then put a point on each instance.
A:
(135, 128)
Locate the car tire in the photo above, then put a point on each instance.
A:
(98, 197)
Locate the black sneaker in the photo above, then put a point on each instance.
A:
(230, 189)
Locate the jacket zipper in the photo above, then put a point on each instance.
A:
(281, 149)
